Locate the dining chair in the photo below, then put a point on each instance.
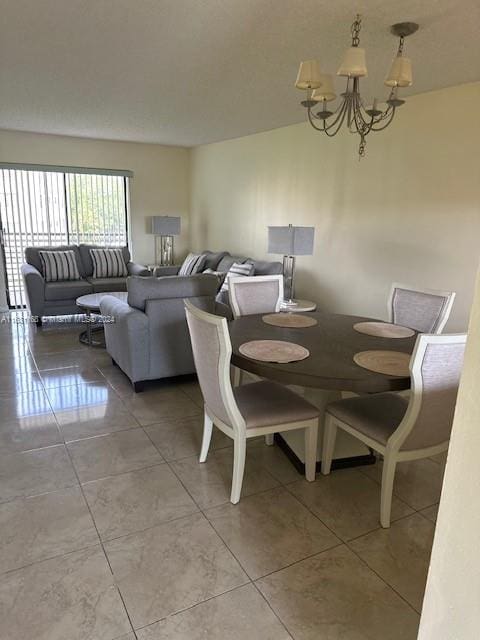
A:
(424, 310)
(402, 428)
(257, 294)
(255, 409)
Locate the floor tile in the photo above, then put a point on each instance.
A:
(347, 501)
(103, 456)
(210, 483)
(237, 615)
(269, 531)
(137, 500)
(181, 438)
(418, 483)
(16, 382)
(171, 567)
(24, 405)
(44, 526)
(334, 595)
(158, 404)
(35, 472)
(20, 362)
(431, 513)
(72, 597)
(80, 356)
(95, 420)
(31, 432)
(70, 376)
(193, 391)
(273, 459)
(400, 555)
(81, 395)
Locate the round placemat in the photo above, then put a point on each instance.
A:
(383, 330)
(392, 363)
(289, 320)
(274, 351)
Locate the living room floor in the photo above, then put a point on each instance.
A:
(111, 529)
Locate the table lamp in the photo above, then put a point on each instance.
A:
(291, 242)
(165, 228)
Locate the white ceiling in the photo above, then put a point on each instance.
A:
(186, 72)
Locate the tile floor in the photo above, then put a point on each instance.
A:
(111, 530)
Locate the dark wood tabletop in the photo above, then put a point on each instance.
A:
(332, 344)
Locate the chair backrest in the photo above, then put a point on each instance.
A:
(212, 351)
(257, 294)
(424, 310)
(435, 370)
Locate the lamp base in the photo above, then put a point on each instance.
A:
(164, 252)
(289, 305)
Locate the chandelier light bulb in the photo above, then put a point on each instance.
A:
(309, 76)
(353, 64)
(326, 91)
(400, 74)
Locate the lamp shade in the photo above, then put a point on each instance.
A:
(353, 63)
(291, 241)
(400, 74)
(166, 225)
(325, 91)
(308, 76)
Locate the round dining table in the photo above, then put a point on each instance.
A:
(324, 374)
(332, 344)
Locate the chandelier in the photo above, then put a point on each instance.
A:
(359, 118)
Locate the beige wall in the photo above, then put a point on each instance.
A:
(408, 212)
(451, 608)
(160, 184)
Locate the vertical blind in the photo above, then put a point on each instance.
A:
(55, 207)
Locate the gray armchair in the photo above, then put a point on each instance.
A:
(148, 335)
(59, 298)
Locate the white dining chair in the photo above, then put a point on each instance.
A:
(402, 428)
(257, 294)
(255, 409)
(424, 310)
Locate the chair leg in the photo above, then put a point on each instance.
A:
(388, 475)
(239, 452)
(237, 377)
(207, 436)
(269, 439)
(311, 439)
(329, 438)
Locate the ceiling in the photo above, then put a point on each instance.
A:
(187, 72)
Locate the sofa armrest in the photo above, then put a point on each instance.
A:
(167, 271)
(127, 337)
(222, 309)
(135, 269)
(34, 289)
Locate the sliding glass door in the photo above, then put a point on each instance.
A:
(59, 207)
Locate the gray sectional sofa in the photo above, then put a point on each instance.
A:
(58, 298)
(149, 338)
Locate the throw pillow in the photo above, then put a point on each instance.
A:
(108, 263)
(237, 270)
(193, 263)
(59, 265)
(220, 275)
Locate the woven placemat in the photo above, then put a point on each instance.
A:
(274, 351)
(392, 363)
(289, 320)
(383, 330)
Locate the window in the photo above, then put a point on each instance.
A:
(57, 206)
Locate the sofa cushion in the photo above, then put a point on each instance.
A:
(100, 285)
(227, 261)
(212, 259)
(67, 289)
(59, 265)
(87, 258)
(141, 289)
(32, 256)
(266, 268)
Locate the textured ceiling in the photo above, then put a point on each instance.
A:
(186, 72)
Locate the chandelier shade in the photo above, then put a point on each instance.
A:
(400, 74)
(353, 64)
(326, 90)
(309, 76)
